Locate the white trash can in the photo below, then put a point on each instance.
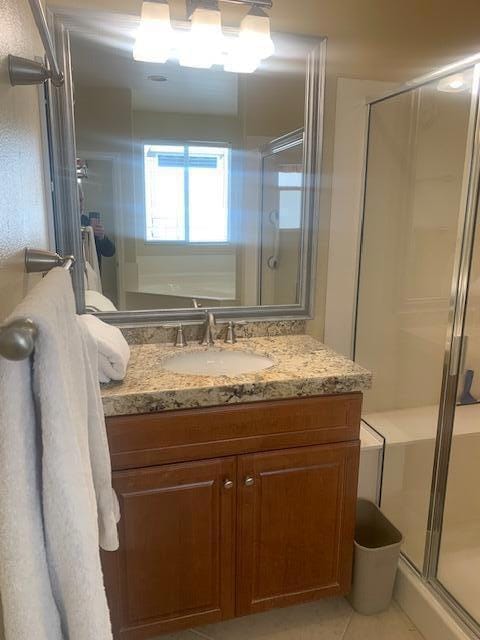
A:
(376, 554)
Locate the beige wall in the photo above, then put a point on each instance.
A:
(23, 214)
(272, 105)
(346, 209)
(103, 118)
(151, 125)
(104, 125)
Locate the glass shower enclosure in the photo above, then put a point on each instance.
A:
(418, 323)
(282, 219)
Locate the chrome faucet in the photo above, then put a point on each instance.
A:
(208, 335)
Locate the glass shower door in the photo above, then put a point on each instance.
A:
(417, 152)
(458, 568)
(418, 324)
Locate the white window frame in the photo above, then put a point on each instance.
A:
(186, 144)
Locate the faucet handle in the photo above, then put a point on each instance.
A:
(231, 336)
(180, 340)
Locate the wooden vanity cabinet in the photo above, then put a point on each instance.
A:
(255, 528)
(294, 525)
(177, 536)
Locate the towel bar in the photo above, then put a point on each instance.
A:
(39, 261)
(17, 338)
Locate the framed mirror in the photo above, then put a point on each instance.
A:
(184, 188)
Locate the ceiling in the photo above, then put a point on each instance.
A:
(202, 91)
(392, 40)
(102, 56)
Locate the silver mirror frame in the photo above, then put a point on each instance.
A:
(66, 205)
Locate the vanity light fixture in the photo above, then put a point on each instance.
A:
(155, 34)
(240, 59)
(203, 44)
(253, 44)
(255, 37)
(238, 63)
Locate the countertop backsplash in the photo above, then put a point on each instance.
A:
(158, 334)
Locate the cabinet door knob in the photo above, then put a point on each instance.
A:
(249, 481)
(228, 484)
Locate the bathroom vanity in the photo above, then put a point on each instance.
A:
(237, 494)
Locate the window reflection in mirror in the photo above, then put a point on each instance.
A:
(191, 181)
(187, 193)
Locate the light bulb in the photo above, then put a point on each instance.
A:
(456, 84)
(155, 34)
(255, 37)
(240, 61)
(452, 84)
(204, 46)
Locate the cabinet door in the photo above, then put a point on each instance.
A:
(296, 515)
(175, 566)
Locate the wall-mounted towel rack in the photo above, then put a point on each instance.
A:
(40, 261)
(25, 71)
(17, 338)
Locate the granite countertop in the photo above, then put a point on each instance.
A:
(302, 367)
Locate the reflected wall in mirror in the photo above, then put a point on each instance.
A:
(196, 187)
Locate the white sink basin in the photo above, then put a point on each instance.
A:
(217, 362)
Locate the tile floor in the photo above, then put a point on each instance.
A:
(332, 619)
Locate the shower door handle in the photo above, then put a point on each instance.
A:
(272, 261)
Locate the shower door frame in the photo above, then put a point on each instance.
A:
(283, 143)
(469, 209)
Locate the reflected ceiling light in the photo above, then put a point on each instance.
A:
(239, 61)
(202, 43)
(452, 84)
(255, 37)
(204, 47)
(245, 65)
(155, 34)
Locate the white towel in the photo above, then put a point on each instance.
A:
(91, 280)
(95, 302)
(93, 274)
(29, 608)
(113, 349)
(108, 510)
(54, 467)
